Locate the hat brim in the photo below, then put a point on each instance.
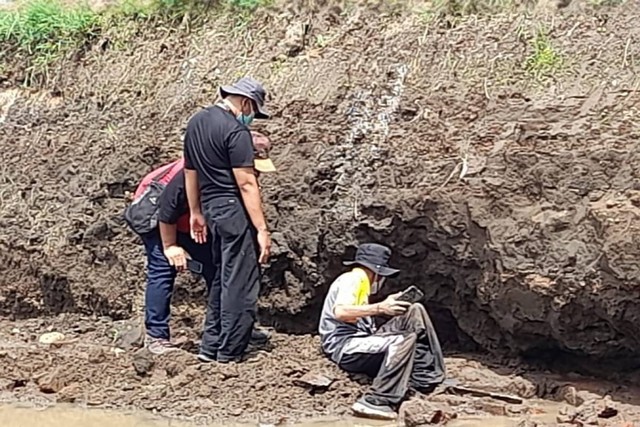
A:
(262, 112)
(264, 165)
(381, 271)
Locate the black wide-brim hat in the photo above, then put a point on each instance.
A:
(251, 89)
(375, 257)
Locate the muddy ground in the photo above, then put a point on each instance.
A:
(90, 367)
(509, 194)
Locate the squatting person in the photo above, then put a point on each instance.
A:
(402, 353)
(224, 198)
(170, 245)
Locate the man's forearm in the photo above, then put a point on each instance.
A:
(168, 234)
(251, 198)
(351, 313)
(193, 190)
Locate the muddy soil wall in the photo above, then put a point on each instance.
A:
(512, 200)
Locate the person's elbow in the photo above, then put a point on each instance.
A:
(248, 186)
(246, 180)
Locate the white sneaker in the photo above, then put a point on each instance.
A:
(159, 346)
(365, 409)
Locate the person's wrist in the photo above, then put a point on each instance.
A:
(263, 229)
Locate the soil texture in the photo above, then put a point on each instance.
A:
(278, 384)
(508, 193)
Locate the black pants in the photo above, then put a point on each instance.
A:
(232, 301)
(404, 352)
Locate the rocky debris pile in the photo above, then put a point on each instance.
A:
(590, 413)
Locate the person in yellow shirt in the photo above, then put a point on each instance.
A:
(404, 352)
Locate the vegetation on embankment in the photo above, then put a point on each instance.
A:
(37, 33)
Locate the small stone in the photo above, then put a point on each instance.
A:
(130, 338)
(143, 362)
(96, 355)
(117, 351)
(314, 381)
(205, 391)
(236, 412)
(6, 384)
(50, 337)
(417, 412)
(173, 369)
(492, 407)
(52, 382)
(70, 393)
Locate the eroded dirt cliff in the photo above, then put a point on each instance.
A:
(511, 199)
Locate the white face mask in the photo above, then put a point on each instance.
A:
(377, 284)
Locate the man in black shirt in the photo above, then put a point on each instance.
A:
(224, 197)
(169, 246)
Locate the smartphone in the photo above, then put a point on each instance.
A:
(194, 266)
(412, 294)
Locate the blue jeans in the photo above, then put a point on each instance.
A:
(161, 277)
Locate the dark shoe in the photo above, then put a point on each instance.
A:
(366, 409)
(236, 359)
(205, 358)
(259, 337)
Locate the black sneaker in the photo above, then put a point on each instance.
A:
(366, 409)
(205, 358)
(259, 337)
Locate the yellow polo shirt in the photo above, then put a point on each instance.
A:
(354, 288)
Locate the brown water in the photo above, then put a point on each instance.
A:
(67, 416)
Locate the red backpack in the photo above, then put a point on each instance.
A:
(142, 214)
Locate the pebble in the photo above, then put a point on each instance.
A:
(50, 337)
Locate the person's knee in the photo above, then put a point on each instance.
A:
(416, 310)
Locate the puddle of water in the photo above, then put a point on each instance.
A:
(69, 416)
(11, 416)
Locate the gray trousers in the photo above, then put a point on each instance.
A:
(404, 352)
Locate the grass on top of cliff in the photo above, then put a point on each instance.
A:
(40, 31)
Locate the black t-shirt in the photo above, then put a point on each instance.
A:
(215, 143)
(173, 200)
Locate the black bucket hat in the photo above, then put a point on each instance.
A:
(375, 257)
(251, 89)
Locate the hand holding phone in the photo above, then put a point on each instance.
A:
(412, 294)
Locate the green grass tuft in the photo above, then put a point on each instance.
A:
(247, 4)
(544, 61)
(46, 26)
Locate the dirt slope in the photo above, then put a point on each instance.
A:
(512, 201)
